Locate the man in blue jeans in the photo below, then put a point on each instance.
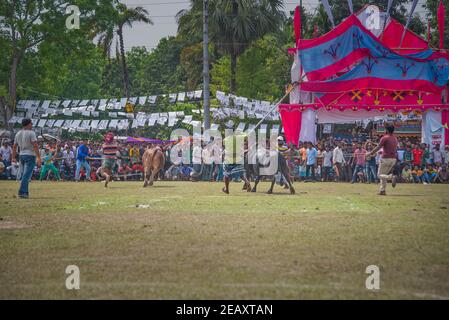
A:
(26, 140)
(82, 152)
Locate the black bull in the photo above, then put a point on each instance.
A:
(253, 170)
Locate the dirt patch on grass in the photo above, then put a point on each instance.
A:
(12, 225)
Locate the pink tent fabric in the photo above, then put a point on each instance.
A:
(391, 38)
(291, 120)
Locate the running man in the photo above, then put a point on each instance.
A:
(110, 148)
(389, 144)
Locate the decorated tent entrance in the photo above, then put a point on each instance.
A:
(362, 70)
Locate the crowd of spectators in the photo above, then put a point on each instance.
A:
(347, 160)
(338, 160)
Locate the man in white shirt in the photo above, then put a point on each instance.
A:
(26, 141)
(339, 160)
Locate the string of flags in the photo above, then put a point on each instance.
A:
(119, 114)
(242, 107)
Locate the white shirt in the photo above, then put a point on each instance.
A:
(338, 156)
(6, 153)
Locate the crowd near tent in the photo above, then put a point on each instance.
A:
(365, 68)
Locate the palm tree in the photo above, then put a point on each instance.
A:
(233, 24)
(123, 16)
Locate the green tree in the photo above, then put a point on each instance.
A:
(27, 24)
(263, 70)
(233, 25)
(124, 16)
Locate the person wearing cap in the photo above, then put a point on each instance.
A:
(26, 141)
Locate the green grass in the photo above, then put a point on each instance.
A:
(181, 240)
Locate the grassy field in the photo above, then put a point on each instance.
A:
(181, 240)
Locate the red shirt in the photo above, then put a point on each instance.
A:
(137, 167)
(389, 143)
(417, 156)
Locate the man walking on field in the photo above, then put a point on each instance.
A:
(389, 146)
(26, 141)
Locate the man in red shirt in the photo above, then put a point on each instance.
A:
(417, 155)
(389, 144)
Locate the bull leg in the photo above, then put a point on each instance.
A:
(147, 174)
(273, 181)
(256, 182)
(153, 174)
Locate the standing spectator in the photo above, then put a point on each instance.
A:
(360, 161)
(408, 155)
(426, 155)
(327, 163)
(371, 165)
(311, 161)
(134, 154)
(6, 155)
(417, 155)
(68, 159)
(437, 155)
(338, 160)
(29, 152)
(82, 153)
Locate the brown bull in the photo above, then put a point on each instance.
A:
(153, 161)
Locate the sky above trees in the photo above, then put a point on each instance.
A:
(163, 12)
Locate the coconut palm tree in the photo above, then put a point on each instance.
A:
(233, 24)
(123, 16)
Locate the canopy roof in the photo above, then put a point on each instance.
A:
(350, 58)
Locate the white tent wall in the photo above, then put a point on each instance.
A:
(311, 117)
(308, 126)
(348, 116)
(432, 131)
